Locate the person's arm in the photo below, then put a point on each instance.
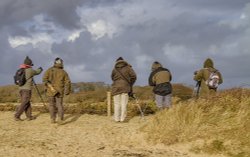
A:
(37, 71)
(151, 80)
(113, 74)
(133, 76)
(198, 76)
(170, 76)
(67, 84)
(221, 79)
(46, 77)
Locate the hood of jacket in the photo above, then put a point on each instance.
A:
(155, 66)
(208, 63)
(121, 64)
(60, 66)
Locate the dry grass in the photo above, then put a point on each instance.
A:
(222, 123)
(90, 92)
(89, 98)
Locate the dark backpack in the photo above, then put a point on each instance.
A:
(163, 89)
(20, 78)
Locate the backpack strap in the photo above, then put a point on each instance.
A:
(123, 76)
(156, 71)
(208, 69)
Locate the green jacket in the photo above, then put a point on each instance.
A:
(120, 85)
(203, 75)
(29, 74)
(59, 79)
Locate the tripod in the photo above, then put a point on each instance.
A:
(138, 105)
(38, 92)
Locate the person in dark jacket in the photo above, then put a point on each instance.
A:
(160, 79)
(123, 77)
(26, 90)
(203, 75)
(57, 83)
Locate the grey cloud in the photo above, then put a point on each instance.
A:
(192, 29)
(13, 12)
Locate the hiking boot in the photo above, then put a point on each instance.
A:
(31, 118)
(53, 121)
(17, 119)
(60, 122)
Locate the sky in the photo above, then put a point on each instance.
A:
(89, 35)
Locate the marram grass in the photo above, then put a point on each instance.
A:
(222, 123)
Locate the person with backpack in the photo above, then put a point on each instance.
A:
(209, 78)
(123, 77)
(24, 78)
(160, 79)
(58, 84)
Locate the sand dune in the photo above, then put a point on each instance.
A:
(80, 135)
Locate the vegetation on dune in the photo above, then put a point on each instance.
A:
(220, 124)
(90, 98)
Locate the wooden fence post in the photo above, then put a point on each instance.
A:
(109, 104)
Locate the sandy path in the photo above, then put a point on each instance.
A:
(80, 135)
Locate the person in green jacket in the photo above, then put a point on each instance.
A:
(123, 77)
(26, 90)
(160, 79)
(58, 84)
(203, 76)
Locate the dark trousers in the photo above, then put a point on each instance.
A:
(56, 107)
(25, 105)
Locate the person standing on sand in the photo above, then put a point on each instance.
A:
(160, 79)
(203, 76)
(25, 90)
(123, 77)
(57, 83)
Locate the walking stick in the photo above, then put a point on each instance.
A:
(38, 92)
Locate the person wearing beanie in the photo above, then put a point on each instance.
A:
(203, 75)
(26, 90)
(119, 59)
(160, 79)
(28, 61)
(58, 84)
(123, 77)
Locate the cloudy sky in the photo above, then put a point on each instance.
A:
(90, 34)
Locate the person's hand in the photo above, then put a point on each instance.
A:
(40, 68)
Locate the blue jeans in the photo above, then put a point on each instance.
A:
(163, 102)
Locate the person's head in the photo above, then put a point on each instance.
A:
(58, 62)
(28, 61)
(119, 59)
(208, 63)
(156, 65)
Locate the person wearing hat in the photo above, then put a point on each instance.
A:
(25, 90)
(203, 75)
(160, 79)
(123, 77)
(58, 84)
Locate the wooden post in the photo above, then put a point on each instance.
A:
(109, 104)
